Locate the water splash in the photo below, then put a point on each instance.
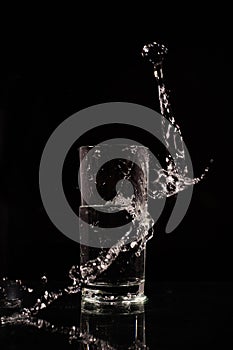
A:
(73, 333)
(173, 179)
(167, 182)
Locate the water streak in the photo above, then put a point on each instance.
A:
(167, 182)
(173, 179)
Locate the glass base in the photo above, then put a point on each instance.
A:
(114, 295)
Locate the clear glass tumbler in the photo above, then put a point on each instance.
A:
(113, 184)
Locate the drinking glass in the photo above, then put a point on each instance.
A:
(114, 184)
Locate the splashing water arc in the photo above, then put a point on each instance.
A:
(168, 182)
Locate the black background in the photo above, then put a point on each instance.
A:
(50, 71)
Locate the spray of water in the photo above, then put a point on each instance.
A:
(173, 179)
(167, 182)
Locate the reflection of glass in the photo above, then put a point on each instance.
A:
(113, 184)
(123, 329)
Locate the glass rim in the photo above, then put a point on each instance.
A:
(112, 144)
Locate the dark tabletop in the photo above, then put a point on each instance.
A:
(182, 315)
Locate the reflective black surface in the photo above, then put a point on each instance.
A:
(177, 315)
